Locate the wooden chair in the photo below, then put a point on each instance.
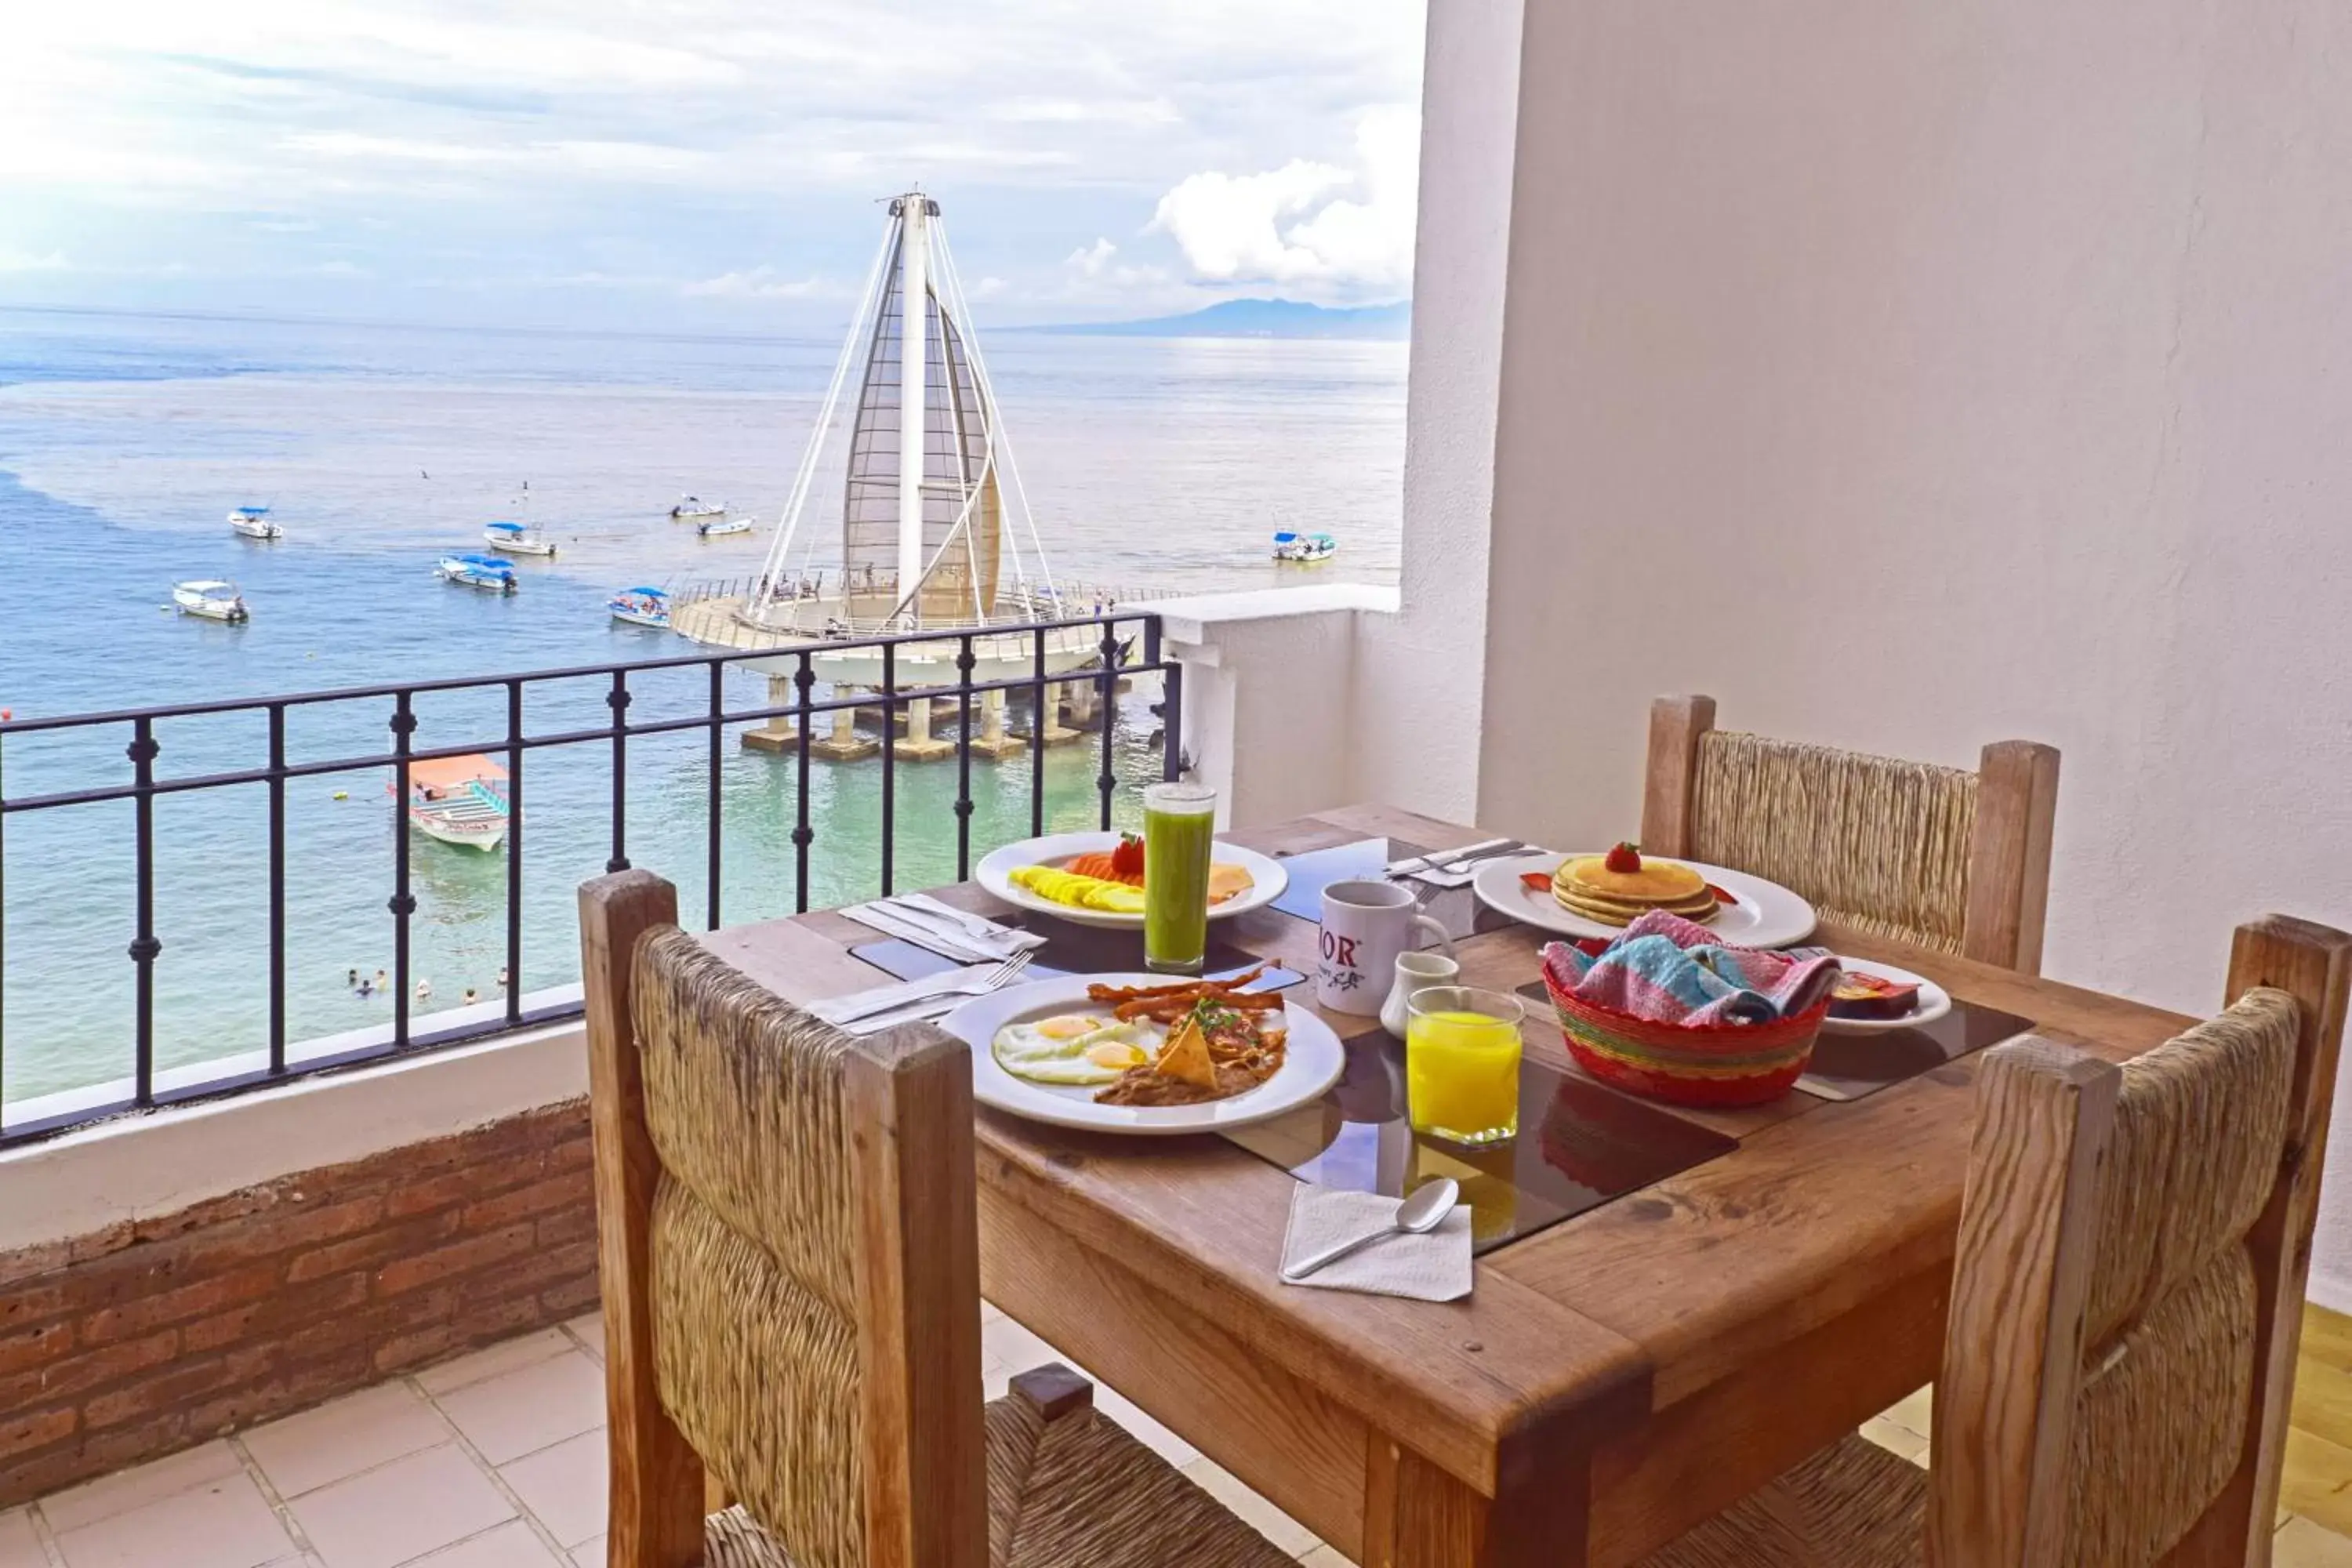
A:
(787, 1223)
(1945, 859)
(2125, 1305)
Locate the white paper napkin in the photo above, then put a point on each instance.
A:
(1431, 1268)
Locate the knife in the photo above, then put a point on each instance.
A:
(929, 1008)
(928, 938)
(1486, 849)
(891, 998)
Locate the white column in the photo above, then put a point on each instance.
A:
(914, 351)
(992, 716)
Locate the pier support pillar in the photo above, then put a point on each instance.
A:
(919, 745)
(1044, 730)
(777, 733)
(1081, 702)
(844, 744)
(991, 741)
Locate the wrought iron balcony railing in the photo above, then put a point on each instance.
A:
(1128, 644)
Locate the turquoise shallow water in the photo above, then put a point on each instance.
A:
(124, 441)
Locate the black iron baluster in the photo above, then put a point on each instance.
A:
(718, 733)
(889, 757)
(277, 889)
(1172, 726)
(1118, 659)
(617, 700)
(514, 852)
(804, 680)
(1038, 727)
(964, 662)
(402, 902)
(1107, 780)
(144, 946)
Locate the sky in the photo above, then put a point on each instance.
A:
(701, 163)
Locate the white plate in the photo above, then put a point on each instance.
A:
(995, 873)
(1311, 1060)
(1765, 915)
(1934, 1001)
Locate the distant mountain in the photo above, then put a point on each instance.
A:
(1259, 319)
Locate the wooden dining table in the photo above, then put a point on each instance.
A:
(1610, 1381)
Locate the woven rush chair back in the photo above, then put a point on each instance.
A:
(2130, 1284)
(790, 1259)
(1940, 857)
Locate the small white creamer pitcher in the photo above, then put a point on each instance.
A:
(1415, 972)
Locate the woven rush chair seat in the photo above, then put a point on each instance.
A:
(1067, 1488)
(788, 1234)
(2124, 1308)
(1853, 1505)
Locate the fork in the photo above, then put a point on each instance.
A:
(1453, 862)
(890, 1011)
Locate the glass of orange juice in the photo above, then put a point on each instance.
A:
(1462, 1063)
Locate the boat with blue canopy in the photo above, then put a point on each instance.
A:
(254, 522)
(517, 538)
(640, 607)
(1290, 546)
(488, 572)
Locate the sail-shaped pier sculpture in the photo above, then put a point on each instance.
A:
(936, 534)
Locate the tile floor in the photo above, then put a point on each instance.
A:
(496, 1460)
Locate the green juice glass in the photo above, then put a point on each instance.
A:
(1180, 821)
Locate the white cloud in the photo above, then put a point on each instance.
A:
(25, 261)
(762, 283)
(728, 141)
(1307, 222)
(1090, 259)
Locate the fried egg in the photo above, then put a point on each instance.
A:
(1075, 1047)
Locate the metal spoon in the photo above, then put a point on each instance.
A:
(1417, 1215)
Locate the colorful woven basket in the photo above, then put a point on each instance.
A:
(1733, 1064)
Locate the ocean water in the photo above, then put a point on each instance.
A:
(1152, 464)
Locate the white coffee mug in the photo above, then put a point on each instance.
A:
(1365, 925)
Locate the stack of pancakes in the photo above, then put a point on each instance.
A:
(1586, 886)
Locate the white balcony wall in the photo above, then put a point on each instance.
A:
(1306, 698)
(1908, 376)
(1911, 376)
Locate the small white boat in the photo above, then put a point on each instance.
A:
(690, 509)
(212, 599)
(1289, 546)
(518, 538)
(720, 527)
(640, 607)
(459, 800)
(254, 523)
(488, 573)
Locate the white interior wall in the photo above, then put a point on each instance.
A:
(1910, 377)
(1419, 673)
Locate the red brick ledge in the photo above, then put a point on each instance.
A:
(155, 1334)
